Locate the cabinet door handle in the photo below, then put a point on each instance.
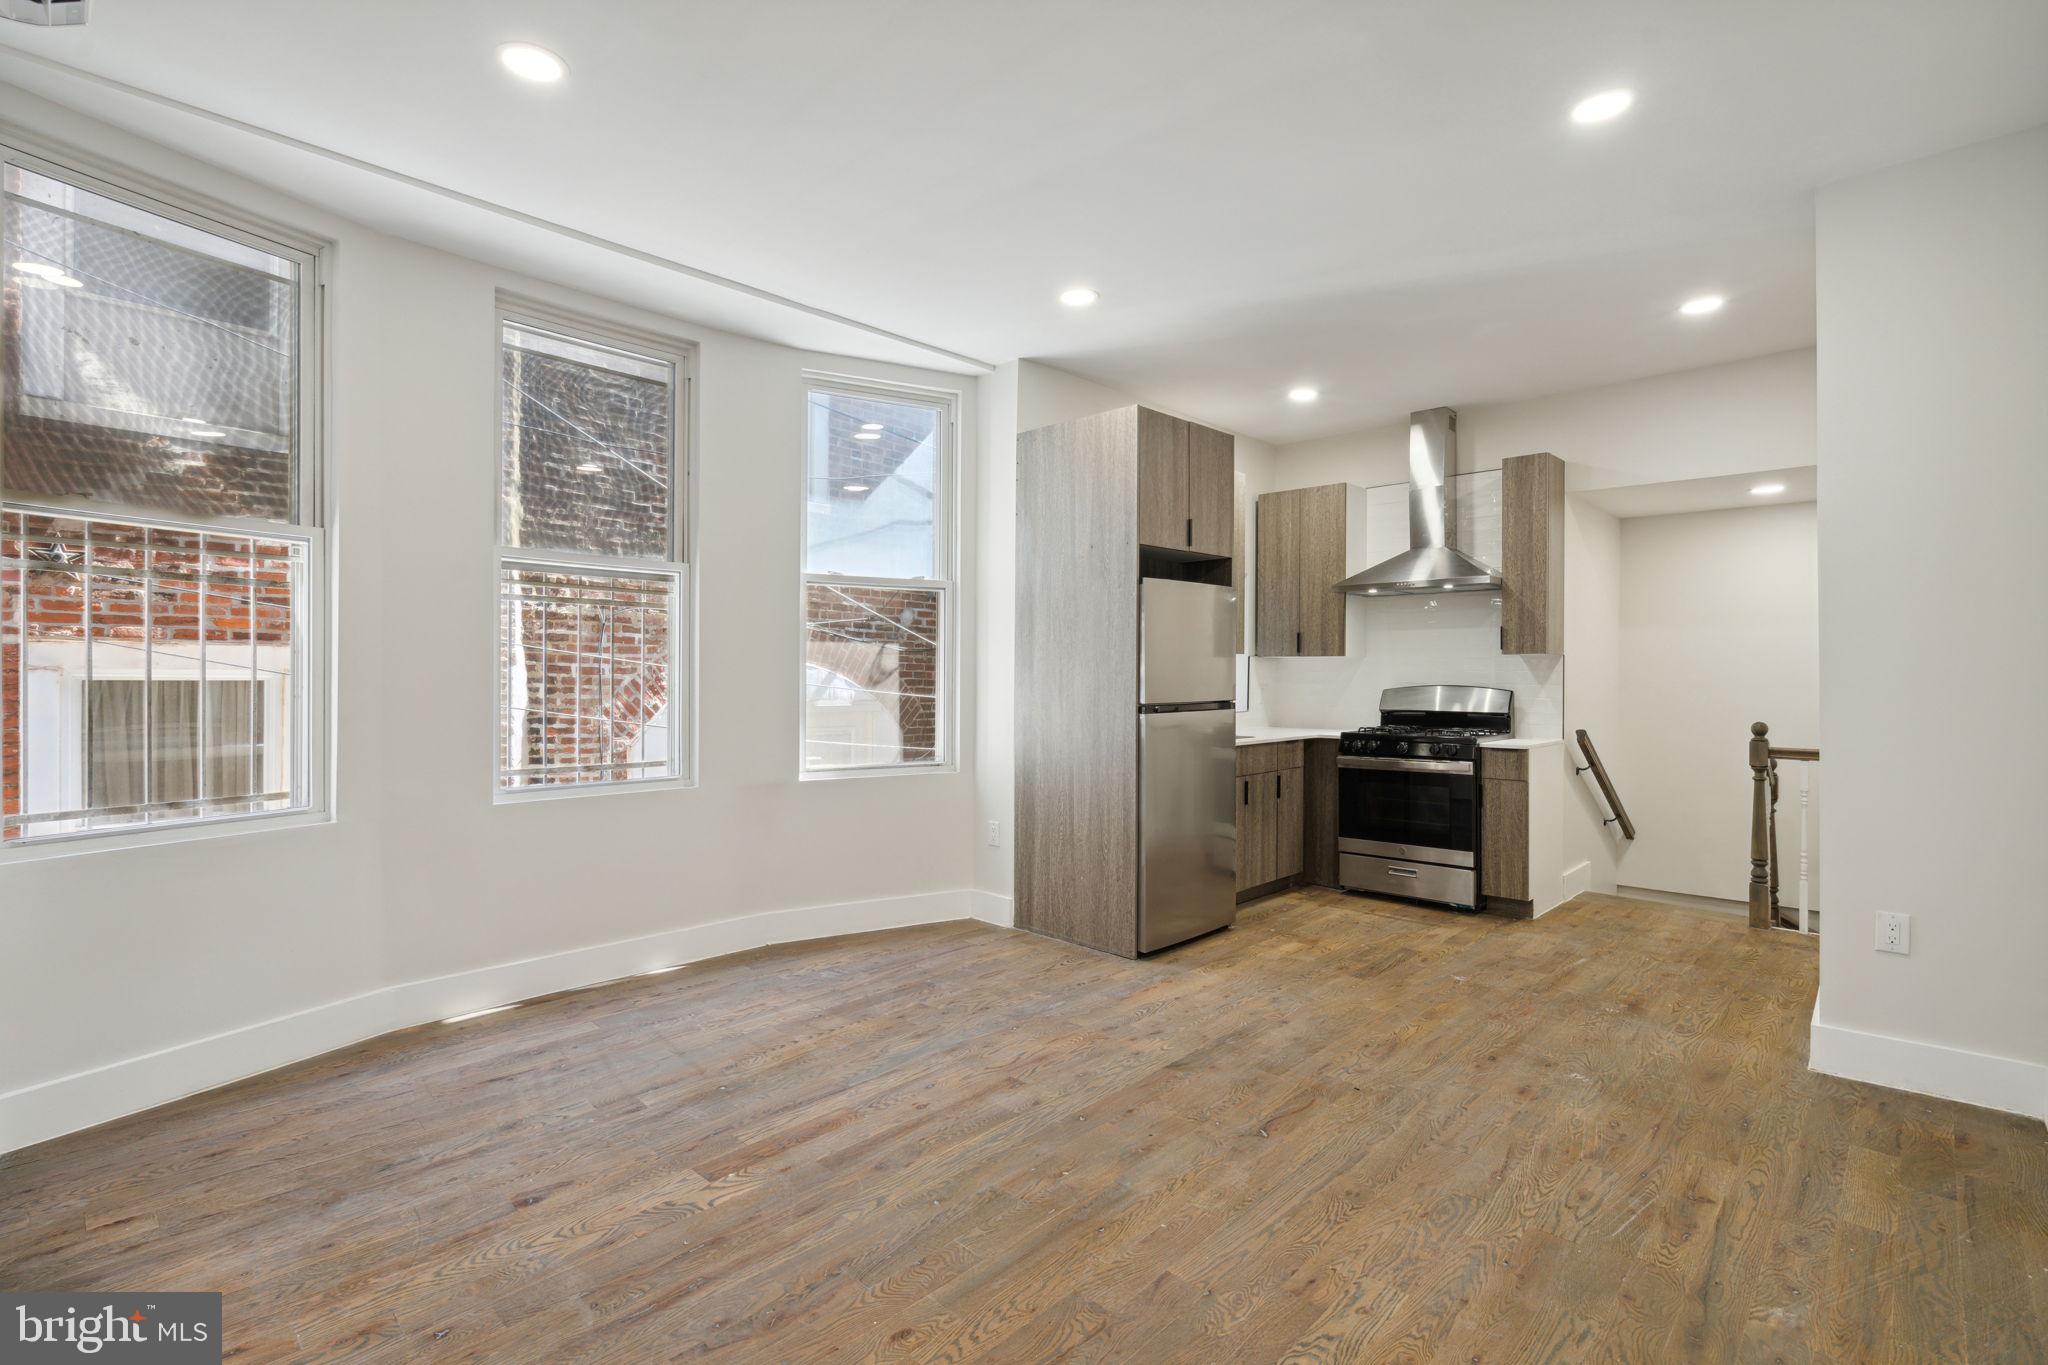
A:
(1276, 786)
(1297, 642)
(1402, 872)
(1191, 533)
(1247, 791)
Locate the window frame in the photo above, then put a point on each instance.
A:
(314, 609)
(680, 354)
(945, 561)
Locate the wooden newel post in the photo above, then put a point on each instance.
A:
(1759, 826)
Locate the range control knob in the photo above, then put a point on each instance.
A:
(1399, 746)
(1448, 749)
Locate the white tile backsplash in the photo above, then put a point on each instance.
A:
(1404, 641)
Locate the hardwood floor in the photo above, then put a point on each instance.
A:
(1344, 1130)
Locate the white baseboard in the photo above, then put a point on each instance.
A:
(83, 1099)
(1578, 879)
(991, 908)
(2002, 1083)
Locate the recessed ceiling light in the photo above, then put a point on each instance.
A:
(1603, 106)
(867, 436)
(1701, 306)
(1302, 393)
(1079, 297)
(1765, 490)
(855, 487)
(66, 281)
(531, 63)
(589, 467)
(1372, 592)
(39, 269)
(870, 426)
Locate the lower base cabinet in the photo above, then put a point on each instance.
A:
(1269, 814)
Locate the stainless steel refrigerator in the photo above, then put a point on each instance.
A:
(1187, 761)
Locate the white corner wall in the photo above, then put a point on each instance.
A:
(1933, 408)
(1719, 628)
(1593, 849)
(131, 975)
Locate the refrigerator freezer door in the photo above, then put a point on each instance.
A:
(1187, 826)
(1186, 635)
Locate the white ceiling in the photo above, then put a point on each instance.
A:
(1715, 494)
(1382, 199)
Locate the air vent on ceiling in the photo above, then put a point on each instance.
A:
(45, 13)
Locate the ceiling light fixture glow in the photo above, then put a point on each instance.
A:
(1080, 296)
(39, 269)
(870, 426)
(1603, 106)
(204, 433)
(589, 467)
(856, 487)
(66, 281)
(867, 436)
(1302, 393)
(1765, 490)
(532, 63)
(1701, 305)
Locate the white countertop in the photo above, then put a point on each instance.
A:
(1281, 734)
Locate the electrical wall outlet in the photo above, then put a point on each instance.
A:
(995, 834)
(1894, 933)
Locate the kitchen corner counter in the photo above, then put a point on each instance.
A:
(1534, 743)
(1281, 734)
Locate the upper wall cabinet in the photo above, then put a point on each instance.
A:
(1309, 540)
(1532, 555)
(1185, 485)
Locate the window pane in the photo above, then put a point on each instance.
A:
(151, 364)
(583, 675)
(147, 676)
(871, 674)
(871, 486)
(588, 447)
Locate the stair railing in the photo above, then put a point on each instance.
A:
(1599, 771)
(1764, 880)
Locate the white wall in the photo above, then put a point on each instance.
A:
(1722, 419)
(1719, 627)
(1933, 387)
(124, 951)
(1594, 851)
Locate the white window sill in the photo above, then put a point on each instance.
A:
(894, 770)
(113, 840)
(519, 796)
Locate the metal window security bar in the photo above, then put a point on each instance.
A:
(155, 656)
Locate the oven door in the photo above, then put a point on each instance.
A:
(1418, 809)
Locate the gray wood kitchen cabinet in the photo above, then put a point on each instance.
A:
(1532, 555)
(1309, 539)
(1269, 814)
(1186, 483)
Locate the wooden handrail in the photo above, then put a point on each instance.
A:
(1763, 821)
(1620, 816)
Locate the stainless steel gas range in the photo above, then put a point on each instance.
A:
(1408, 810)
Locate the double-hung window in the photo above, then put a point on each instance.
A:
(160, 544)
(877, 578)
(593, 592)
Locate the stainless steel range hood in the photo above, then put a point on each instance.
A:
(1432, 564)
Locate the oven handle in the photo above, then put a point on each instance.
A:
(1406, 765)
